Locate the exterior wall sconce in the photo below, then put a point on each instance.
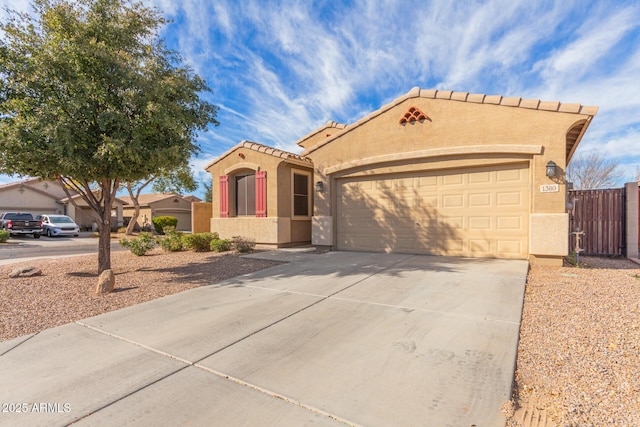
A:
(241, 155)
(319, 187)
(551, 168)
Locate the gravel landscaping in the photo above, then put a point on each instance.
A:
(65, 292)
(578, 358)
(579, 353)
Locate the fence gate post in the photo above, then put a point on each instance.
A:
(631, 188)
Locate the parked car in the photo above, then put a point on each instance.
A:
(58, 225)
(20, 223)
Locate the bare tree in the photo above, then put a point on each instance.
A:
(593, 170)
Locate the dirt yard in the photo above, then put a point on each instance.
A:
(66, 290)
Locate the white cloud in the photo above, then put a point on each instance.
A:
(279, 71)
(596, 38)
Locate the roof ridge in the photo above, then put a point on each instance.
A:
(329, 124)
(261, 148)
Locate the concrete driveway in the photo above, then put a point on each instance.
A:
(333, 339)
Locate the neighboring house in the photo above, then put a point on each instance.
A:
(48, 197)
(161, 204)
(82, 214)
(33, 196)
(432, 172)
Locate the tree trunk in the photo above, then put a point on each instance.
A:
(136, 204)
(134, 218)
(104, 230)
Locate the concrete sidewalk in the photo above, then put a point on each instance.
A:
(333, 339)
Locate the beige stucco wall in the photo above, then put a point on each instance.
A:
(264, 231)
(278, 228)
(12, 199)
(52, 187)
(475, 132)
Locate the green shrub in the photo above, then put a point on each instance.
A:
(122, 230)
(243, 245)
(172, 240)
(221, 245)
(140, 245)
(160, 222)
(4, 236)
(199, 242)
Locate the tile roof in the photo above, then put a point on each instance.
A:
(330, 124)
(145, 199)
(285, 155)
(17, 183)
(417, 92)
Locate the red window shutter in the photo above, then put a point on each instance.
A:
(224, 196)
(261, 194)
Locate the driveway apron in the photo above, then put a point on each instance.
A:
(341, 338)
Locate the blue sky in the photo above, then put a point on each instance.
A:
(279, 70)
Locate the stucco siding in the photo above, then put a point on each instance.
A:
(28, 201)
(452, 135)
(277, 228)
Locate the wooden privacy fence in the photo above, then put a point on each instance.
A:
(600, 214)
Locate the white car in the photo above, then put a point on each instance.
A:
(58, 225)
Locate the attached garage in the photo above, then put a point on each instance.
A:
(448, 173)
(183, 216)
(478, 212)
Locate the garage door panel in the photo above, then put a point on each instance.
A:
(480, 246)
(509, 198)
(480, 178)
(453, 201)
(509, 247)
(512, 175)
(479, 223)
(475, 212)
(510, 223)
(479, 200)
(453, 180)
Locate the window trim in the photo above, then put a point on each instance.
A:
(309, 194)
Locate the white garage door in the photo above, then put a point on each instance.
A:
(480, 212)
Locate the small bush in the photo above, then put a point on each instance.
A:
(140, 245)
(199, 242)
(160, 222)
(172, 241)
(243, 245)
(122, 230)
(4, 236)
(221, 245)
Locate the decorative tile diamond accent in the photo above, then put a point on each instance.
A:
(412, 115)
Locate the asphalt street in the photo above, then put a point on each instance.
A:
(27, 247)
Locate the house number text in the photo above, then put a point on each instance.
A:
(549, 188)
